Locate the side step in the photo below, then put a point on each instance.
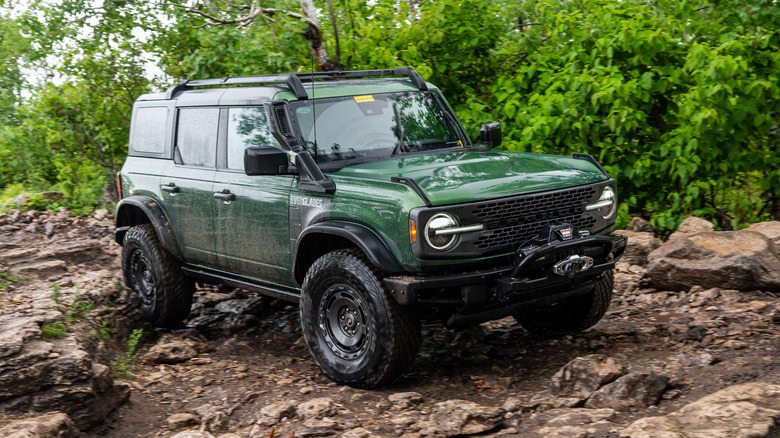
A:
(271, 291)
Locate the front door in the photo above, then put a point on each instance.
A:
(252, 226)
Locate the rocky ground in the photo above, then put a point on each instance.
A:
(695, 360)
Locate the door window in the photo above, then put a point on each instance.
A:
(149, 130)
(246, 127)
(196, 137)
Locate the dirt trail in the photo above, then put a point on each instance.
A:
(246, 352)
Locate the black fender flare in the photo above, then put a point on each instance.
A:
(363, 237)
(127, 215)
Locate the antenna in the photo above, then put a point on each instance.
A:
(314, 109)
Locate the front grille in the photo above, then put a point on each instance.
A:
(510, 222)
(529, 207)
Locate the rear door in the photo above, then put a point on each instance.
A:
(252, 220)
(187, 184)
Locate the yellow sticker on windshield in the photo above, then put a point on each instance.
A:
(361, 99)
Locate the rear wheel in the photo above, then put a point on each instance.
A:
(576, 314)
(156, 277)
(356, 332)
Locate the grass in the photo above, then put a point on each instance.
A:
(7, 279)
(78, 309)
(122, 365)
(105, 331)
(56, 293)
(54, 330)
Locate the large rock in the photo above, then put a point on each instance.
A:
(740, 411)
(690, 226)
(317, 408)
(462, 417)
(582, 376)
(640, 225)
(769, 229)
(181, 420)
(578, 416)
(742, 260)
(51, 425)
(640, 244)
(57, 375)
(404, 400)
(177, 348)
(632, 391)
(273, 413)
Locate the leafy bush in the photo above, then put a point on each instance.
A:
(681, 104)
(79, 309)
(56, 292)
(54, 330)
(122, 365)
(680, 101)
(105, 330)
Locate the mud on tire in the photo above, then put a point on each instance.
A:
(573, 314)
(156, 277)
(356, 332)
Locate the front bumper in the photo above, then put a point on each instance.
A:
(502, 291)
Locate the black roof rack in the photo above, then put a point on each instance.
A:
(294, 81)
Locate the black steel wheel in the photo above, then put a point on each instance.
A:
(573, 314)
(356, 332)
(155, 275)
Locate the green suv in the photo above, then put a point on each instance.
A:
(359, 195)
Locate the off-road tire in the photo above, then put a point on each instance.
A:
(155, 275)
(356, 332)
(573, 314)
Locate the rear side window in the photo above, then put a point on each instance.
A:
(246, 127)
(196, 136)
(148, 134)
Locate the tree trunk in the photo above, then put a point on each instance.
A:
(313, 34)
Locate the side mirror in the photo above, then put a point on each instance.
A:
(490, 134)
(265, 160)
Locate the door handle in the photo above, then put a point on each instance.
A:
(225, 196)
(170, 188)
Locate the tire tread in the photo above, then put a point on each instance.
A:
(175, 302)
(406, 332)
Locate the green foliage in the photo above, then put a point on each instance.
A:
(680, 104)
(105, 330)
(679, 100)
(54, 330)
(56, 293)
(79, 309)
(122, 365)
(6, 280)
(12, 48)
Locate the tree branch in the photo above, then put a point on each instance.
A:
(313, 32)
(254, 12)
(335, 32)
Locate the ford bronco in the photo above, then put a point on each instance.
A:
(359, 195)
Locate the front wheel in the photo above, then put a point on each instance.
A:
(573, 314)
(356, 332)
(156, 277)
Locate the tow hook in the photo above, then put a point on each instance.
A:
(572, 265)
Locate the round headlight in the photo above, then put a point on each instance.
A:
(608, 195)
(437, 222)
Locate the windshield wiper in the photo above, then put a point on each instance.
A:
(400, 143)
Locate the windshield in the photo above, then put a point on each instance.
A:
(375, 126)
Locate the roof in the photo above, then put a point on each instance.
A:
(290, 86)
